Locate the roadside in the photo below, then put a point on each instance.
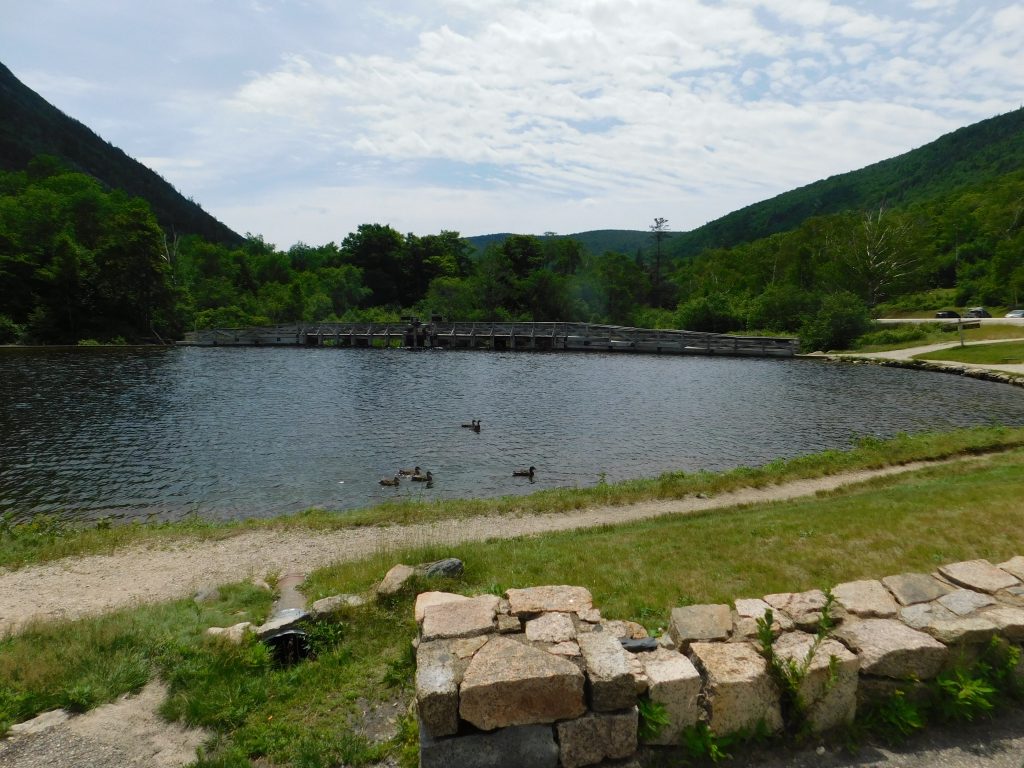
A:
(909, 353)
(81, 586)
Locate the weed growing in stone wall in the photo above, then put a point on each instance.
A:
(653, 718)
(894, 717)
(700, 743)
(789, 674)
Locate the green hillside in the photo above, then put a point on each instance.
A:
(970, 155)
(595, 241)
(31, 126)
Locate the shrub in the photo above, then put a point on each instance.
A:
(841, 318)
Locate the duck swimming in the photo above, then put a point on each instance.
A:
(423, 478)
(524, 472)
(389, 481)
(413, 471)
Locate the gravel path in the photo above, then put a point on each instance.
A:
(81, 586)
(910, 352)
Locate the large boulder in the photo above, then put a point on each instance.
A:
(395, 580)
(438, 674)
(511, 683)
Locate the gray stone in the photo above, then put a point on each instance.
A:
(624, 629)
(673, 682)
(550, 628)
(426, 599)
(979, 575)
(568, 649)
(946, 626)
(889, 648)
(1014, 566)
(699, 623)
(285, 619)
(609, 680)
(40, 723)
(804, 608)
(591, 616)
(963, 602)
(438, 674)
(448, 568)
(462, 618)
(868, 599)
(595, 737)
(913, 588)
(336, 604)
(509, 624)
(740, 692)
(565, 599)
(830, 700)
(208, 595)
(395, 580)
(748, 611)
(511, 683)
(233, 634)
(531, 745)
(1009, 621)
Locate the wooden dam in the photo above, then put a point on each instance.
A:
(577, 337)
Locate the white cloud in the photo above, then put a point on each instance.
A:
(481, 112)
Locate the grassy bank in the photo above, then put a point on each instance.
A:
(1005, 353)
(890, 337)
(314, 714)
(47, 538)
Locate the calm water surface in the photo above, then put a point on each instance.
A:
(250, 432)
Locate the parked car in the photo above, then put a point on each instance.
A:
(1015, 313)
(948, 314)
(978, 312)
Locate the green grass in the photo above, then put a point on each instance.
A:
(310, 715)
(47, 538)
(1005, 353)
(888, 338)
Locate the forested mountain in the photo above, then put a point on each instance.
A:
(970, 155)
(82, 260)
(31, 126)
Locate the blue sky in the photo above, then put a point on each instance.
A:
(301, 119)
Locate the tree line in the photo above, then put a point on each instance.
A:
(78, 261)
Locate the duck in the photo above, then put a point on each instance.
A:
(423, 478)
(524, 472)
(413, 471)
(389, 481)
(474, 424)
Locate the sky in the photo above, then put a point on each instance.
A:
(299, 120)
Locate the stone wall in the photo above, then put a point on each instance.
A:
(540, 678)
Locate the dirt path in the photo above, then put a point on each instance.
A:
(81, 586)
(910, 352)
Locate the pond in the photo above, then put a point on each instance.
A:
(230, 433)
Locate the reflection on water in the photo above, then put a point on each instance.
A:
(251, 432)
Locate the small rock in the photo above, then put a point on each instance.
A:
(261, 584)
(449, 568)
(336, 603)
(868, 599)
(509, 624)
(913, 588)
(624, 629)
(979, 575)
(208, 595)
(568, 649)
(804, 608)
(463, 618)
(565, 599)
(233, 634)
(965, 601)
(394, 581)
(425, 600)
(700, 623)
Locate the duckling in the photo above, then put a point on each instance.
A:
(524, 472)
(413, 471)
(391, 481)
(423, 478)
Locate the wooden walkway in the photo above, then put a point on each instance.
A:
(496, 336)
